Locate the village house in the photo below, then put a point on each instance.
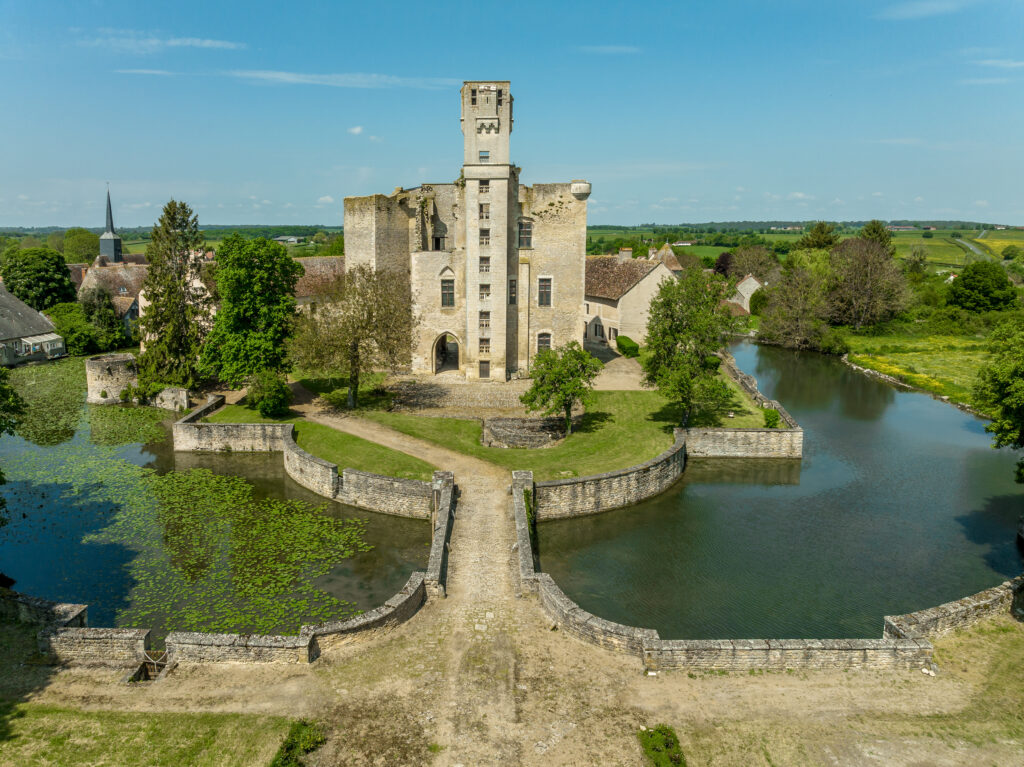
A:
(618, 296)
(739, 303)
(496, 268)
(25, 334)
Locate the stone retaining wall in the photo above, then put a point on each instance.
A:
(95, 645)
(107, 375)
(388, 495)
(20, 608)
(938, 621)
(611, 490)
(194, 647)
(522, 485)
(311, 472)
(522, 432)
(444, 508)
(745, 443)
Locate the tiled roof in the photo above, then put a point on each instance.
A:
(18, 319)
(114, 277)
(78, 273)
(608, 277)
(667, 256)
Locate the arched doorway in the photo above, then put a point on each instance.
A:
(446, 353)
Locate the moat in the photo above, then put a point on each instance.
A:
(899, 504)
(197, 542)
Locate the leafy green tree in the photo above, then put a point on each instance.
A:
(869, 286)
(562, 379)
(1000, 387)
(38, 276)
(822, 236)
(177, 317)
(80, 245)
(917, 262)
(12, 407)
(99, 310)
(797, 313)
(1011, 252)
(686, 326)
(753, 259)
(55, 240)
(268, 392)
(982, 286)
(876, 231)
(361, 322)
(256, 283)
(71, 324)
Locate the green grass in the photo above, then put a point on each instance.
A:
(49, 735)
(620, 429)
(661, 746)
(939, 251)
(303, 738)
(944, 365)
(346, 450)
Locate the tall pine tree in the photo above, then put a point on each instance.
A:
(177, 316)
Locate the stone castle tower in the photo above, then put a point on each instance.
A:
(497, 269)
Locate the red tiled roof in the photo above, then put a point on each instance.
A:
(608, 277)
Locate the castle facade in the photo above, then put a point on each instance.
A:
(497, 269)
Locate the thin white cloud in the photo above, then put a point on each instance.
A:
(1001, 63)
(156, 72)
(981, 203)
(342, 80)
(983, 81)
(355, 130)
(877, 194)
(326, 200)
(610, 50)
(922, 9)
(133, 41)
(376, 138)
(799, 196)
(919, 198)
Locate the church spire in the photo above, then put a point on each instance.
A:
(110, 214)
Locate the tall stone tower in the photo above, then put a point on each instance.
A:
(492, 257)
(110, 242)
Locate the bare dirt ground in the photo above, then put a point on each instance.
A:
(481, 678)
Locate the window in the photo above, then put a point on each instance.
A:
(472, 97)
(485, 346)
(613, 333)
(485, 211)
(485, 368)
(485, 236)
(485, 156)
(543, 341)
(122, 290)
(544, 291)
(485, 319)
(438, 242)
(511, 291)
(447, 292)
(599, 331)
(500, 95)
(485, 187)
(485, 292)
(586, 308)
(525, 234)
(485, 263)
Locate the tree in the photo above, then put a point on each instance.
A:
(71, 324)
(256, 284)
(869, 285)
(335, 247)
(80, 245)
(822, 235)
(38, 276)
(99, 310)
(178, 313)
(917, 262)
(362, 321)
(876, 231)
(723, 264)
(12, 406)
(562, 379)
(687, 325)
(797, 313)
(754, 259)
(1011, 252)
(55, 240)
(268, 393)
(1000, 387)
(982, 286)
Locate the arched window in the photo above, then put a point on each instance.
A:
(543, 341)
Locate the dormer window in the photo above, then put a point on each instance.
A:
(122, 290)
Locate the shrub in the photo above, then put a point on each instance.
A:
(303, 737)
(627, 346)
(661, 747)
(758, 301)
(772, 418)
(981, 286)
(269, 393)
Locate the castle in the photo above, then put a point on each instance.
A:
(497, 270)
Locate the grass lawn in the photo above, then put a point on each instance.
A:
(938, 251)
(746, 414)
(621, 428)
(346, 450)
(944, 365)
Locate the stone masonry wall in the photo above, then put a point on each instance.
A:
(194, 647)
(388, 495)
(311, 472)
(938, 621)
(96, 645)
(745, 443)
(107, 375)
(21, 608)
(612, 490)
(436, 576)
(522, 432)
(522, 486)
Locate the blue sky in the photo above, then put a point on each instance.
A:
(270, 112)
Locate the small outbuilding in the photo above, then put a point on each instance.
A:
(618, 295)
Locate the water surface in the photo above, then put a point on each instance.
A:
(899, 504)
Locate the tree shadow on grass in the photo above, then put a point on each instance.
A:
(590, 422)
(718, 416)
(669, 415)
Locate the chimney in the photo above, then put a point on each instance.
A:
(625, 254)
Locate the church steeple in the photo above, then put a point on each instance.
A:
(110, 243)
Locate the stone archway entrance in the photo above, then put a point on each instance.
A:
(446, 353)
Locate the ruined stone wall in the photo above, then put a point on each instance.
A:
(962, 613)
(172, 398)
(745, 443)
(559, 252)
(107, 375)
(216, 437)
(522, 432)
(614, 489)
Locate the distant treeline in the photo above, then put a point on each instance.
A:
(217, 230)
(764, 227)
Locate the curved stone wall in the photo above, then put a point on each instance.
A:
(107, 375)
(522, 432)
(611, 490)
